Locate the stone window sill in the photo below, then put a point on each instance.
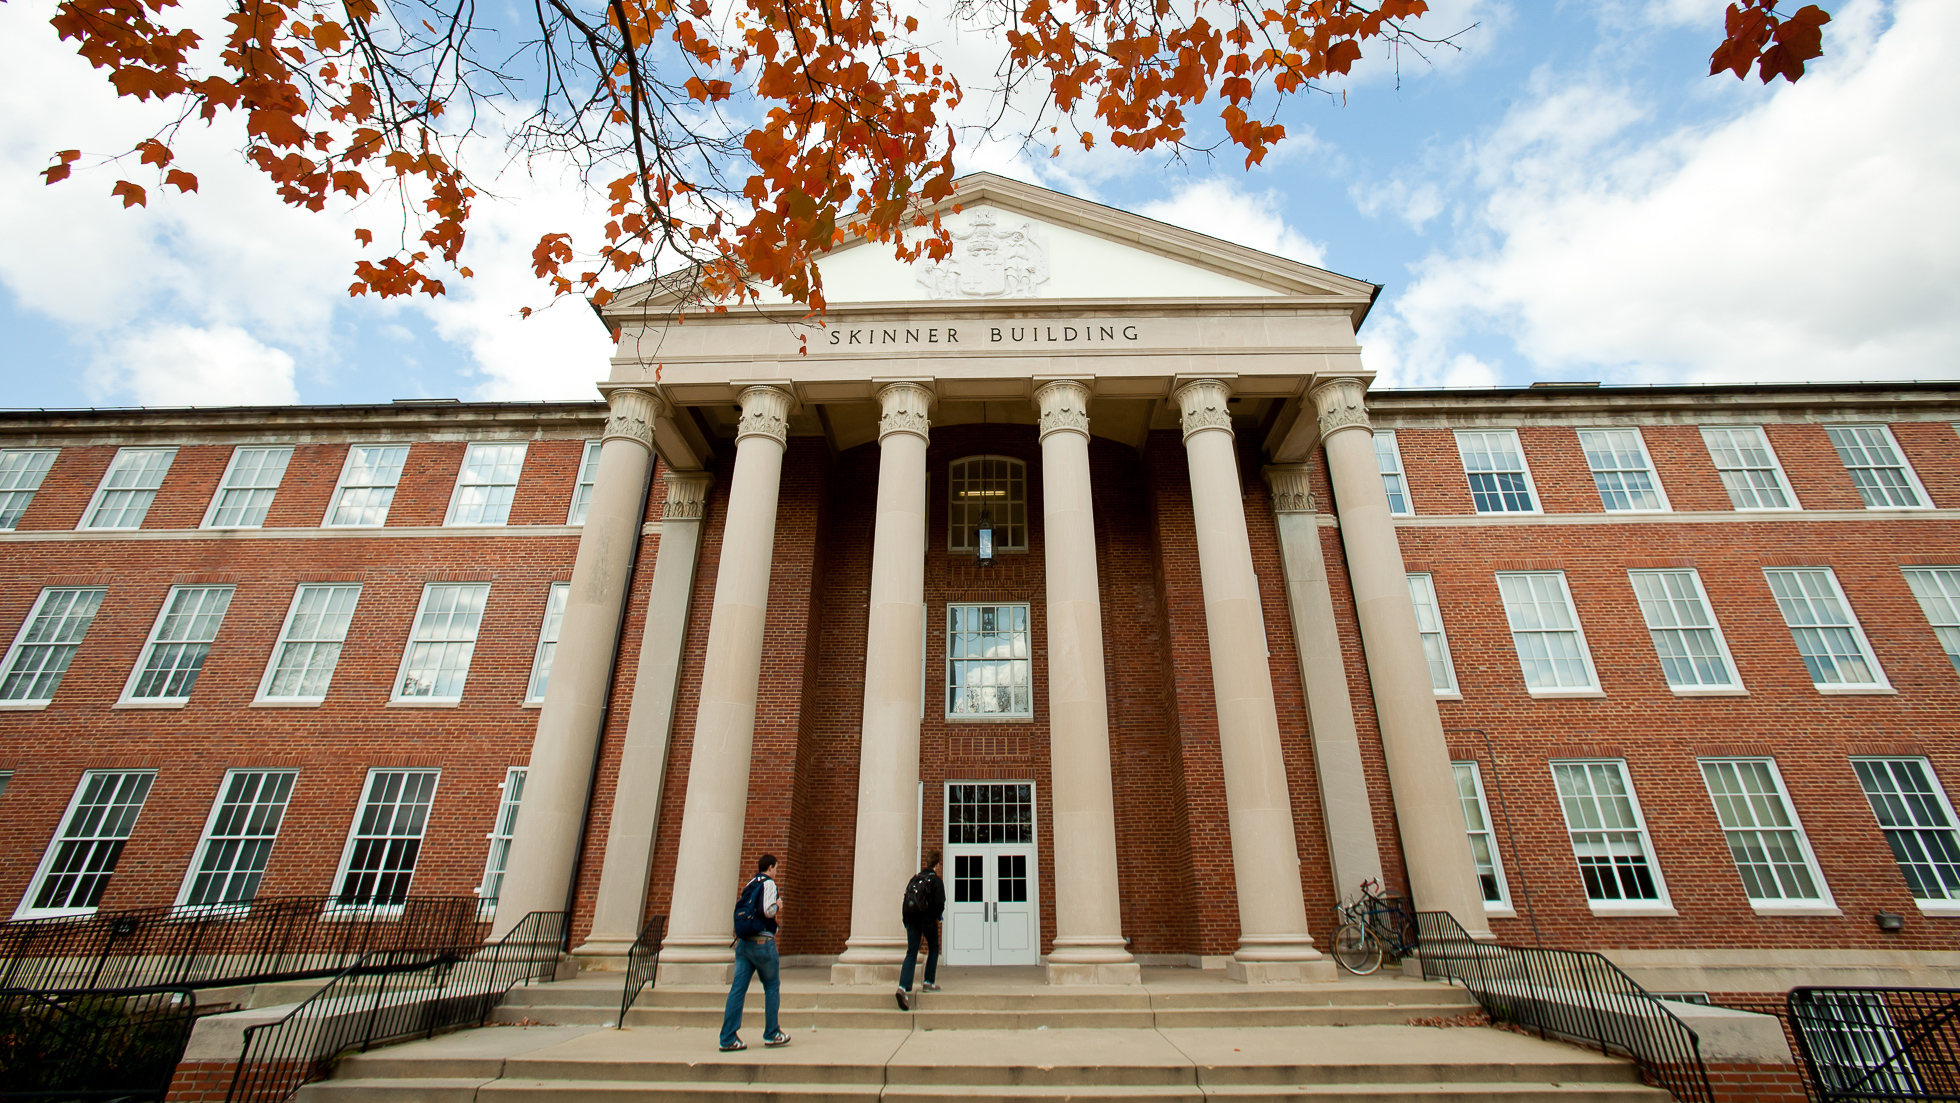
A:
(1492, 911)
(150, 704)
(24, 706)
(1708, 691)
(1858, 691)
(1442, 695)
(1560, 694)
(1940, 909)
(424, 704)
(288, 704)
(1633, 911)
(990, 719)
(1770, 907)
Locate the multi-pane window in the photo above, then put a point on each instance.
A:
(386, 839)
(1938, 591)
(999, 812)
(1748, 468)
(21, 472)
(1768, 844)
(1545, 630)
(1826, 634)
(1621, 470)
(989, 672)
(1690, 646)
(367, 485)
(1880, 471)
(993, 489)
(1494, 464)
(501, 833)
(128, 488)
(1483, 845)
(238, 839)
(245, 493)
(1609, 837)
(47, 644)
(439, 649)
(309, 646)
(85, 851)
(554, 618)
(588, 477)
(1388, 458)
(178, 644)
(1918, 822)
(486, 484)
(1429, 621)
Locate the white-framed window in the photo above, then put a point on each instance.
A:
(1833, 645)
(1912, 808)
(1483, 843)
(501, 833)
(309, 645)
(1545, 630)
(1429, 621)
(5, 777)
(1938, 591)
(21, 472)
(437, 661)
(1609, 835)
(989, 669)
(83, 854)
(1748, 467)
(1767, 841)
(367, 485)
(995, 487)
(47, 643)
(245, 493)
(486, 484)
(588, 477)
(1494, 464)
(1686, 638)
(554, 619)
(1880, 471)
(1622, 471)
(1388, 459)
(238, 836)
(174, 654)
(128, 488)
(378, 864)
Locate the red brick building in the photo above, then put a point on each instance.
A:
(1086, 555)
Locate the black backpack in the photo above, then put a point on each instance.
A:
(918, 892)
(749, 920)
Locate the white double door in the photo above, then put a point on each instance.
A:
(993, 911)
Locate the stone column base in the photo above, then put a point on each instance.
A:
(603, 954)
(695, 972)
(1116, 972)
(1281, 972)
(867, 973)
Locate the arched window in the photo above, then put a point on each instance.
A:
(996, 486)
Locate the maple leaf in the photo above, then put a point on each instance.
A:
(132, 194)
(181, 180)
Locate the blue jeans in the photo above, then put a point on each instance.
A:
(758, 959)
(929, 932)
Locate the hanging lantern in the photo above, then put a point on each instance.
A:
(983, 540)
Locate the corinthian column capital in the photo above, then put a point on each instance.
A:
(905, 408)
(1202, 405)
(765, 413)
(1292, 493)
(631, 415)
(1339, 402)
(1064, 406)
(687, 494)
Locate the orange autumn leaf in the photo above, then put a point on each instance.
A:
(132, 194)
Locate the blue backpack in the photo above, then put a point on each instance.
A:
(749, 920)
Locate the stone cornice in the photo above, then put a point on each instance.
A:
(1686, 405)
(305, 424)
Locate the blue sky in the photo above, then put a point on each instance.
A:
(1570, 196)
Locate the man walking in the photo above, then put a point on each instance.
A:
(924, 906)
(755, 954)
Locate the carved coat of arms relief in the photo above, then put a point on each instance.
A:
(989, 261)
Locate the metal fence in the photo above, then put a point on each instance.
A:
(642, 961)
(1878, 1043)
(388, 996)
(283, 938)
(91, 1046)
(1575, 994)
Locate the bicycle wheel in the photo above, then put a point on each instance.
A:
(1357, 949)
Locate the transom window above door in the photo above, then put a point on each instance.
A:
(995, 487)
(989, 674)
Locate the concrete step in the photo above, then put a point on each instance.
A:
(607, 1091)
(888, 1017)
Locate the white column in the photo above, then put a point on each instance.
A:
(1344, 804)
(888, 753)
(1089, 946)
(1274, 945)
(538, 872)
(1434, 845)
(709, 866)
(622, 898)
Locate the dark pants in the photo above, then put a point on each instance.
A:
(929, 932)
(753, 959)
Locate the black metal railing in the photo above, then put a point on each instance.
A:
(390, 996)
(642, 962)
(1576, 994)
(101, 1046)
(283, 938)
(1878, 1043)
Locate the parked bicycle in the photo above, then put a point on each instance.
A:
(1378, 924)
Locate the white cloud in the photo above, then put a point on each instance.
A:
(179, 365)
(1219, 208)
(1816, 236)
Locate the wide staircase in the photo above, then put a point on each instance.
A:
(994, 1034)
